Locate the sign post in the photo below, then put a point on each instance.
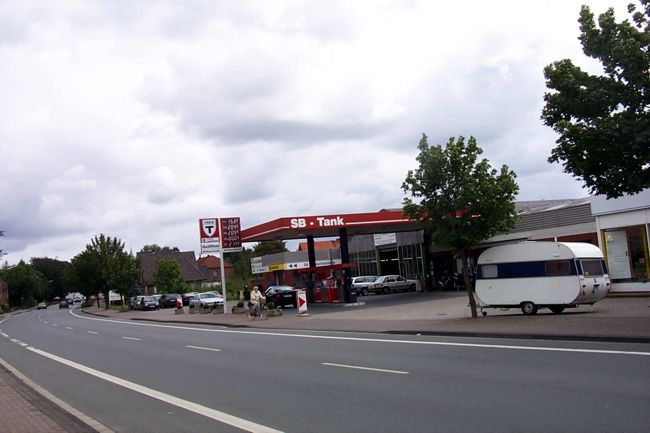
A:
(221, 235)
(301, 295)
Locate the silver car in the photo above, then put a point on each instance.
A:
(392, 283)
(360, 284)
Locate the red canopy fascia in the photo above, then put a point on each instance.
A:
(299, 227)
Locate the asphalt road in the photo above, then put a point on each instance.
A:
(144, 377)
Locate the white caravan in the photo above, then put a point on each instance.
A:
(532, 275)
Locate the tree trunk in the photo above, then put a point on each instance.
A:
(468, 284)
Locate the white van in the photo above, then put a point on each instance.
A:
(533, 275)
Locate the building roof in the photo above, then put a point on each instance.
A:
(321, 245)
(190, 269)
(213, 262)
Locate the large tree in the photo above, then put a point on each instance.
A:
(603, 121)
(265, 248)
(26, 285)
(104, 266)
(53, 270)
(459, 199)
(167, 277)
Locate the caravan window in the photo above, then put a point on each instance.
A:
(489, 271)
(558, 267)
(592, 268)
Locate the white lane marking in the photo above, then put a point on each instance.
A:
(131, 338)
(92, 332)
(167, 398)
(375, 340)
(67, 327)
(357, 367)
(203, 348)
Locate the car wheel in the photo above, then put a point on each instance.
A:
(364, 291)
(528, 308)
(412, 288)
(386, 290)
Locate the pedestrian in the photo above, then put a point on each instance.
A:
(257, 299)
(247, 296)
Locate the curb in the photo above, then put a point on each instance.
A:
(520, 336)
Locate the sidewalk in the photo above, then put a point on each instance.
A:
(623, 319)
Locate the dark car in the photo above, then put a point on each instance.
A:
(63, 304)
(281, 296)
(168, 300)
(148, 303)
(187, 297)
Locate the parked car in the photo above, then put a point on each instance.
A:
(135, 303)
(148, 303)
(392, 283)
(168, 300)
(41, 306)
(63, 304)
(206, 300)
(281, 296)
(360, 284)
(187, 297)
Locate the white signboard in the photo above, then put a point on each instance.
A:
(302, 301)
(384, 239)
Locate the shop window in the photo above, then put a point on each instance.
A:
(627, 254)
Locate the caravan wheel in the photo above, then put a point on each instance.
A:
(529, 308)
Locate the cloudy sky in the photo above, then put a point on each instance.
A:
(136, 118)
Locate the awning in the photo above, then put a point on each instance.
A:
(329, 267)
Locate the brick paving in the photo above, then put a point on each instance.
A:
(613, 319)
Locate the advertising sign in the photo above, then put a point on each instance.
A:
(209, 234)
(231, 234)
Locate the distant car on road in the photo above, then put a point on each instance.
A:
(360, 284)
(392, 283)
(281, 296)
(63, 304)
(41, 306)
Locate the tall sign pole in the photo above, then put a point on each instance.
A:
(221, 235)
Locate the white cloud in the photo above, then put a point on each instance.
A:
(137, 121)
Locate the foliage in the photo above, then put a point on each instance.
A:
(53, 270)
(603, 121)
(459, 199)
(265, 248)
(2, 233)
(154, 248)
(242, 264)
(26, 285)
(104, 266)
(167, 277)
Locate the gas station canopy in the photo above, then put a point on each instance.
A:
(300, 227)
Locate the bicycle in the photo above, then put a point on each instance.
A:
(260, 310)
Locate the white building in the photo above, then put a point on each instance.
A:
(623, 225)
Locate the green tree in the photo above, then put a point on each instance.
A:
(603, 121)
(460, 200)
(53, 270)
(104, 266)
(167, 277)
(2, 233)
(154, 248)
(26, 285)
(265, 248)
